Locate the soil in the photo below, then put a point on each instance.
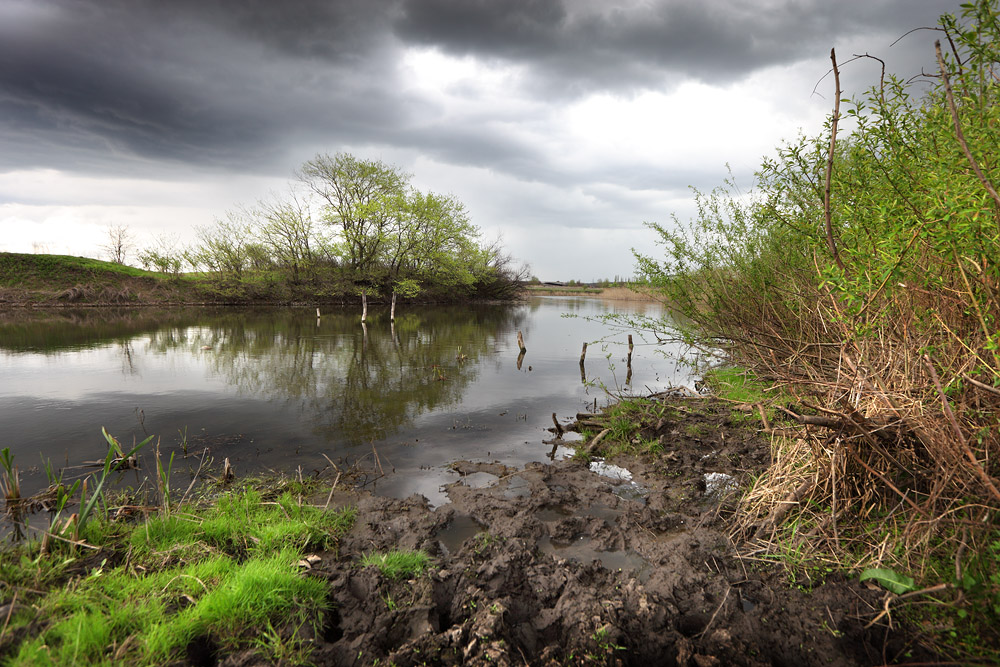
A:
(555, 564)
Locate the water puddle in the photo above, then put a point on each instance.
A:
(552, 514)
(627, 489)
(598, 510)
(562, 453)
(631, 491)
(582, 551)
(605, 469)
(479, 480)
(458, 530)
(517, 487)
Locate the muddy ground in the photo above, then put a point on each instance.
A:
(558, 565)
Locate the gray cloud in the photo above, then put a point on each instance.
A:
(231, 85)
(607, 46)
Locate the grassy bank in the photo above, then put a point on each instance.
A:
(152, 585)
(96, 573)
(63, 280)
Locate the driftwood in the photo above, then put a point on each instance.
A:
(559, 428)
(592, 445)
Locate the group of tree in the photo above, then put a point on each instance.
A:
(356, 225)
(862, 274)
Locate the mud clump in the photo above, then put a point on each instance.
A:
(555, 564)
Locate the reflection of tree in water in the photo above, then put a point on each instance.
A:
(353, 385)
(69, 328)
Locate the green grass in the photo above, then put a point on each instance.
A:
(397, 564)
(626, 421)
(56, 271)
(227, 571)
(739, 385)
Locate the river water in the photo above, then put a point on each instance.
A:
(278, 389)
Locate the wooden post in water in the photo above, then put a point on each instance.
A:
(520, 343)
(628, 362)
(317, 314)
(392, 310)
(520, 358)
(364, 305)
(583, 354)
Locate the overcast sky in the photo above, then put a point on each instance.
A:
(562, 124)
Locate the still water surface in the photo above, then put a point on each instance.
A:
(278, 389)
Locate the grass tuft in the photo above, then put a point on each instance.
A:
(397, 564)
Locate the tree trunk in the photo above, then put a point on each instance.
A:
(364, 306)
(392, 309)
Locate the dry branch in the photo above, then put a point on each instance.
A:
(829, 165)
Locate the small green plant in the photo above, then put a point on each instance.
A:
(601, 637)
(10, 482)
(397, 564)
(163, 478)
(115, 459)
(284, 651)
(183, 433)
(696, 430)
(484, 540)
(10, 488)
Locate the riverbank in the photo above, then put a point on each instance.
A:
(607, 293)
(630, 559)
(52, 281)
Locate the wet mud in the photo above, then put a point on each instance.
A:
(556, 564)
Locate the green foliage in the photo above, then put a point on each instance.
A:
(897, 344)
(890, 580)
(397, 564)
(225, 571)
(358, 221)
(57, 271)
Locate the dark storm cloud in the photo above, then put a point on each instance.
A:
(231, 83)
(576, 46)
(185, 81)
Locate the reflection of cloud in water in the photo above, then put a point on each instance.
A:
(358, 384)
(297, 389)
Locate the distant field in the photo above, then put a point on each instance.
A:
(615, 293)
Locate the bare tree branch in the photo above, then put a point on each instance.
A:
(829, 165)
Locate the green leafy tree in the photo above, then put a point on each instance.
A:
(362, 200)
(225, 247)
(164, 255)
